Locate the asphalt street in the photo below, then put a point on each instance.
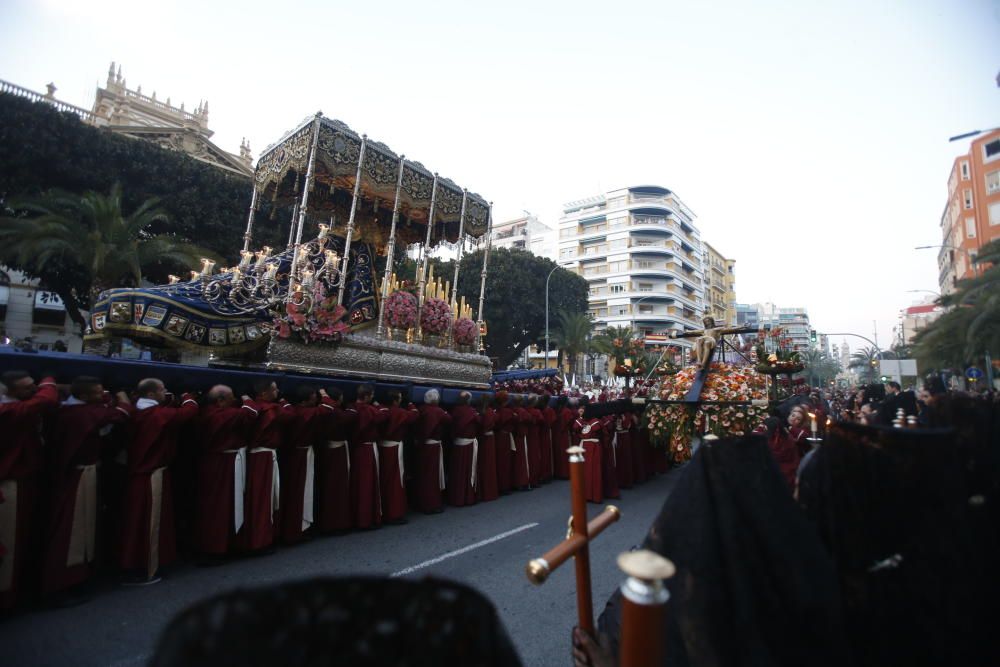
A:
(485, 546)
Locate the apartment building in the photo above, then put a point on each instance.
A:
(720, 286)
(641, 253)
(525, 233)
(971, 216)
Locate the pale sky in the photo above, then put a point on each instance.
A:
(810, 139)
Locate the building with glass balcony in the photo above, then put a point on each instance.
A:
(642, 255)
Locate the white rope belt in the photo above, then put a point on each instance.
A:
(308, 490)
(239, 484)
(275, 478)
(463, 442)
(398, 444)
(440, 461)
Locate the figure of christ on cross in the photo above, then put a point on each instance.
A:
(704, 349)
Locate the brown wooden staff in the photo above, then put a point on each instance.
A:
(644, 608)
(576, 543)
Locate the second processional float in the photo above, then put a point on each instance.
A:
(319, 304)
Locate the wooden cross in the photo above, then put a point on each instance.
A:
(694, 393)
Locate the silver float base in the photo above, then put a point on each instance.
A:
(378, 359)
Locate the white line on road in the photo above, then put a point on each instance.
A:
(459, 552)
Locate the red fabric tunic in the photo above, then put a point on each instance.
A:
(74, 450)
(588, 433)
(609, 458)
(639, 472)
(430, 457)
(464, 457)
(623, 450)
(20, 466)
(520, 477)
(798, 436)
(333, 469)
(562, 436)
(221, 471)
(784, 451)
(506, 422)
(262, 500)
(366, 498)
(547, 440)
(534, 433)
(148, 540)
(486, 477)
(298, 472)
(395, 430)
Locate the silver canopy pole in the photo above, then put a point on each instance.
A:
(248, 234)
(350, 221)
(461, 245)
(422, 282)
(304, 206)
(391, 250)
(482, 277)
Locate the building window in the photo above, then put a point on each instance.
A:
(645, 309)
(645, 287)
(991, 151)
(970, 228)
(965, 171)
(617, 267)
(566, 253)
(995, 214)
(622, 310)
(967, 198)
(618, 289)
(993, 182)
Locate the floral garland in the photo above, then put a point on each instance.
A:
(435, 317)
(632, 349)
(773, 353)
(401, 310)
(464, 331)
(673, 425)
(314, 320)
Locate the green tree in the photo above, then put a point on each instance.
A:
(866, 360)
(515, 297)
(820, 367)
(79, 246)
(572, 335)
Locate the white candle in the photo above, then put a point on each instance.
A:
(245, 256)
(813, 418)
(272, 271)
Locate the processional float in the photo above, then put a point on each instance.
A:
(318, 304)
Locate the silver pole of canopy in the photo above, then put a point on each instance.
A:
(390, 250)
(422, 282)
(350, 221)
(304, 206)
(482, 277)
(248, 234)
(461, 245)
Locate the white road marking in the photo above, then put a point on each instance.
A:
(459, 552)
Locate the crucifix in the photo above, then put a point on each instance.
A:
(707, 340)
(644, 596)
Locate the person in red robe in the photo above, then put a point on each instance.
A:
(148, 539)
(297, 460)
(74, 449)
(396, 427)
(263, 489)
(22, 409)
(797, 421)
(506, 422)
(366, 498)
(588, 434)
(463, 465)
(534, 439)
(562, 438)
(783, 448)
(609, 458)
(486, 475)
(333, 464)
(430, 455)
(521, 464)
(224, 428)
(623, 450)
(547, 437)
(639, 472)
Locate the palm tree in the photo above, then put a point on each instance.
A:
(92, 239)
(572, 335)
(867, 359)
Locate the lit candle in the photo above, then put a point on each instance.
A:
(194, 275)
(207, 265)
(272, 271)
(447, 290)
(307, 278)
(323, 231)
(262, 256)
(237, 275)
(813, 418)
(173, 279)
(245, 256)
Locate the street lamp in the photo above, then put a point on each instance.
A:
(968, 256)
(547, 315)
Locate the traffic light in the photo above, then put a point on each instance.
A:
(812, 335)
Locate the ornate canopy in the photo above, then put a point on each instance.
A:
(282, 168)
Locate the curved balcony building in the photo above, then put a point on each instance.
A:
(641, 252)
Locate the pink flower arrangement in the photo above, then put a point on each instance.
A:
(435, 317)
(401, 310)
(465, 331)
(316, 319)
